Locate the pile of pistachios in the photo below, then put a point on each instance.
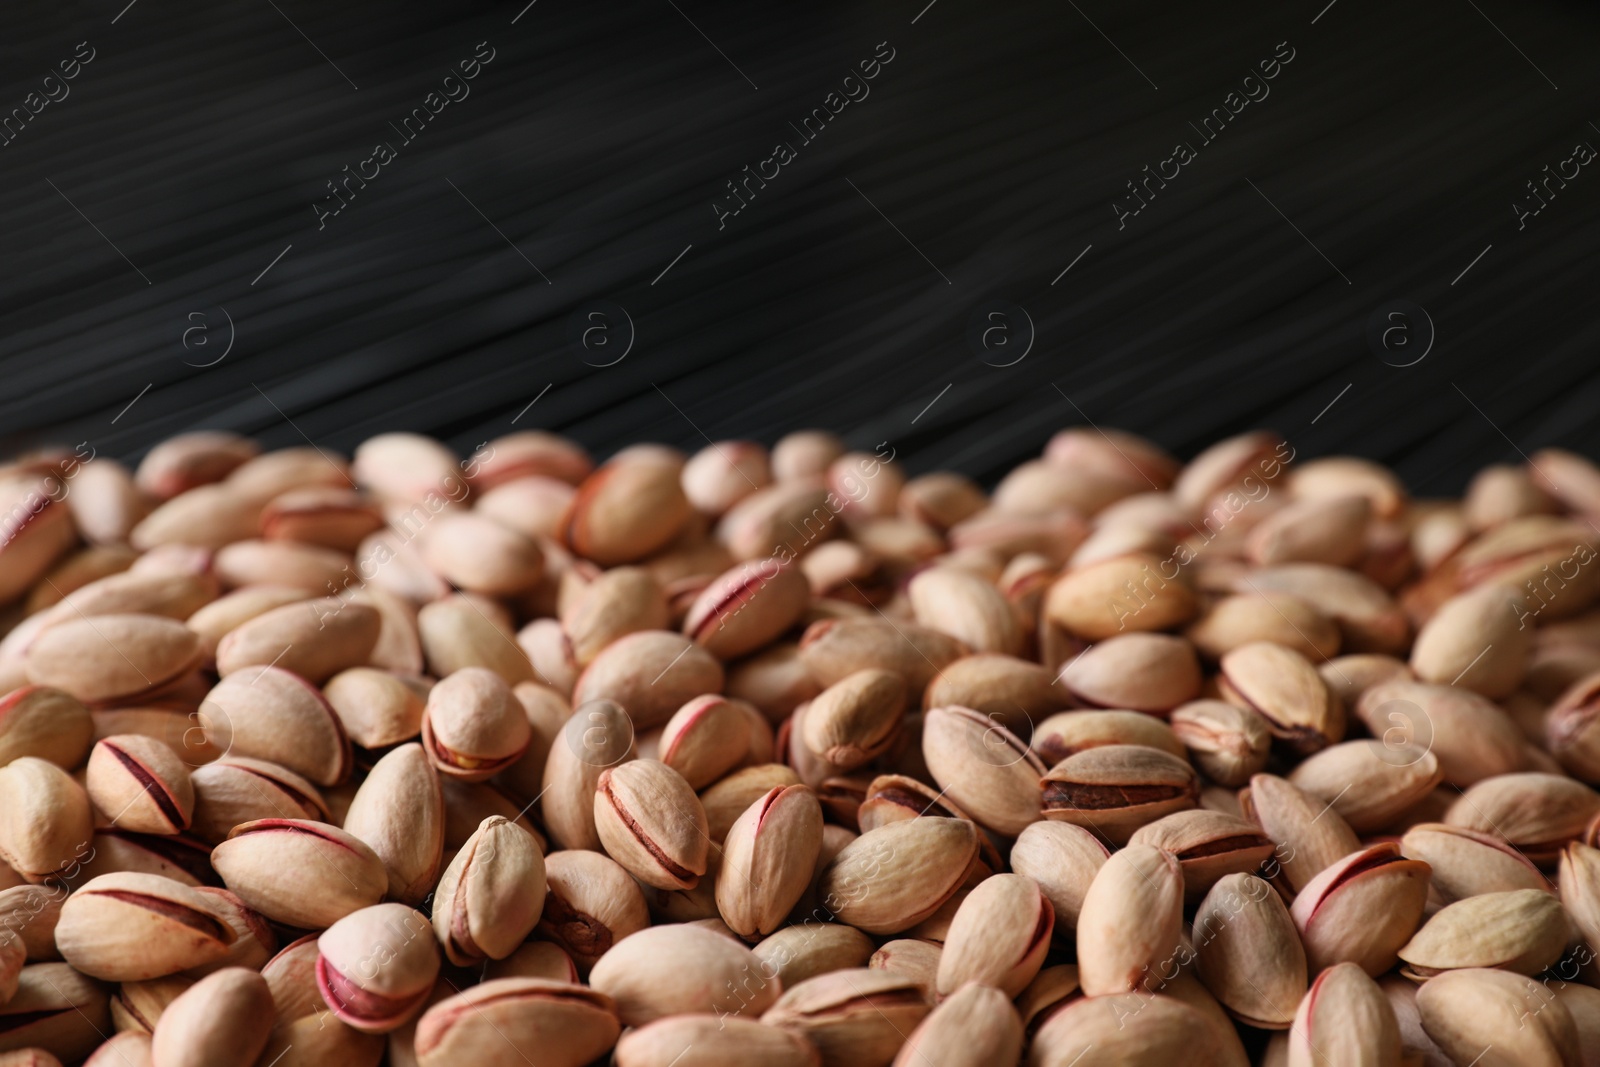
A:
(783, 757)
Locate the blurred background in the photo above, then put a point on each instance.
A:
(1381, 239)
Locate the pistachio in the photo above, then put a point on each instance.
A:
(122, 1050)
(1015, 690)
(376, 966)
(270, 714)
(45, 819)
(1063, 860)
(224, 1018)
(112, 657)
(854, 1017)
(1279, 617)
(479, 555)
(473, 727)
(1344, 1018)
(300, 873)
(377, 708)
(1130, 922)
(1125, 593)
(973, 1026)
(1521, 930)
(490, 897)
(650, 821)
(768, 859)
(706, 1041)
(983, 767)
(1498, 1018)
(1099, 1031)
(534, 959)
(1070, 732)
(1477, 641)
(678, 968)
(131, 927)
(1144, 672)
(1249, 953)
(747, 607)
(1368, 618)
(1287, 691)
(36, 720)
(237, 789)
(222, 616)
(591, 904)
(966, 607)
(833, 649)
(457, 632)
(140, 784)
(1370, 783)
(398, 812)
(1534, 812)
(705, 739)
(1226, 742)
(1362, 909)
(31, 913)
(599, 735)
(999, 936)
(308, 567)
(854, 719)
(1115, 789)
(57, 1009)
(891, 878)
(618, 602)
(651, 674)
(1316, 530)
(796, 953)
(782, 519)
(1209, 845)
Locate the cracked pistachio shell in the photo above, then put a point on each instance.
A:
(129, 927)
(491, 895)
(108, 658)
(854, 1017)
(892, 878)
(57, 1009)
(591, 904)
(199, 457)
(1115, 789)
(376, 966)
(377, 708)
(1131, 921)
(597, 736)
(1226, 742)
(300, 873)
(651, 673)
(796, 953)
(1521, 930)
(223, 1018)
(237, 789)
(36, 720)
(137, 1006)
(679, 967)
(972, 1027)
(1287, 691)
(1126, 1030)
(1498, 1018)
(31, 912)
(768, 860)
(1208, 845)
(983, 767)
(473, 727)
(140, 784)
(727, 799)
(1470, 736)
(314, 639)
(912, 958)
(1362, 909)
(46, 822)
(398, 812)
(1248, 952)
(709, 1041)
(270, 714)
(1344, 1018)
(1371, 783)
(999, 936)
(651, 822)
(1063, 859)
(855, 719)
(1466, 863)
(747, 608)
(1310, 836)
(1152, 673)
(1536, 813)
(510, 1022)
(705, 739)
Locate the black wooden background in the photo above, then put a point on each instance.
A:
(159, 214)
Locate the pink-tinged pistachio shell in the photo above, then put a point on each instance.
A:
(676, 968)
(57, 1009)
(112, 851)
(1069, 732)
(140, 784)
(619, 602)
(650, 821)
(321, 515)
(805, 454)
(1466, 863)
(237, 789)
(1470, 735)
(712, 1041)
(376, 966)
(105, 503)
(1497, 1018)
(274, 473)
(705, 739)
(768, 860)
(1039, 487)
(941, 499)
(399, 813)
(1131, 921)
(999, 936)
(1144, 672)
(1018, 692)
(224, 1018)
(47, 723)
(180, 463)
(1535, 812)
(746, 608)
(131, 927)
(172, 594)
(300, 873)
(254, 941)
(408, 468)
(37, 531)
(532, 504)
(1260, 454)
(651, 674)
(787, 519)
(1113, 453)
(222, 616)
(591, 904)
(473, 727)
(856, 718)
(112, 657)
(477, 554)
(209, 516)
(1521, 930)
(1477, 641)
(1338, 912)
(492, 894)
(534, 959)
(1127, 593)
(893, 877)
(627, 510)
(124, 1049)
(315, 639)
(525, 454)
(722, 474)
(45, 819)
(1345, 1017)
(1330, 530)
(81, 568)
(966, 607)
(983, 767)
(310, 567)
(1055, 535)
(378, 708)
(509, 1022)
(268, 713)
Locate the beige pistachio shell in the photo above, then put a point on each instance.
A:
(973, 1026)
(597, 736)
(651, 822)
(1521, 930)
(983, 767)
(130, 927)
(795, 953)
(891, 878)
(999, 936)
(1096, 1032)
(223, 1018)
(398, 812)
(1131, 921)
(46, 821)
(853, 1017)
(591, 904)
(1115, 789)
(651, 674)
(1362, 909)
(47, 723)
(112, 657)
(300, 873)
(376, 966)
(1249, 952)
(1344, 1018)
(676, 968)
(491, 896)
(140, 784)
(1501, 1019)
(768, 860)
